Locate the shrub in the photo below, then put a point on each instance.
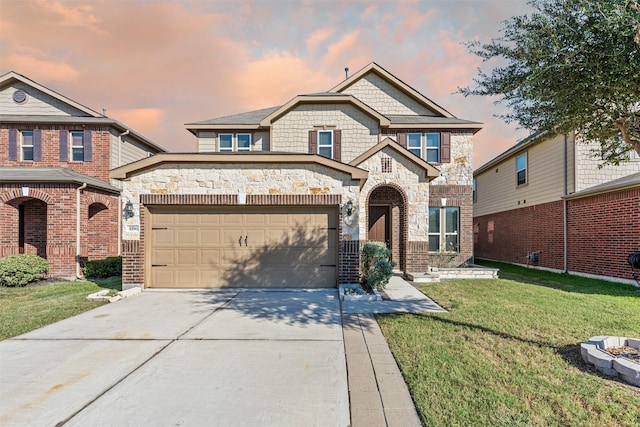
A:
(21, 269)
(376, 268)
(108, 267)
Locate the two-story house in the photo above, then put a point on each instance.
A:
(56, 197)
(286, 196)
(546, 202)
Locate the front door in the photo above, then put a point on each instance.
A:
(379, 221)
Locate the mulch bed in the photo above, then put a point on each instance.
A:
(626, 352)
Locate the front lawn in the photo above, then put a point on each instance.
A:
(507, 353)
(25, 309)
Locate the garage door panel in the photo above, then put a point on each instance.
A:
(286, 247)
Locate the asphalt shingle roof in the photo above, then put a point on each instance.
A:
(51, 174)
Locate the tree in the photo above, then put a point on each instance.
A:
(571, 66)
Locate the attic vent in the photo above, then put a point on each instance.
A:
(19, 96)
(386, 165)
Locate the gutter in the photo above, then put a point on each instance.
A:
(565, 219)
(78, 190)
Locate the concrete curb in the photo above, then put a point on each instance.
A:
(103, 295)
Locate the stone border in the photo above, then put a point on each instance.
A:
(435, 275)
(358, 297)
(593, 352)
(103, 295)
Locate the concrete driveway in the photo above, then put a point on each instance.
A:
(190, 358)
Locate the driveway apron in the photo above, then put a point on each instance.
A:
(197, 357)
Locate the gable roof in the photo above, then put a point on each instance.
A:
(91, 117)
(325, 98)
(247, 120)
(431, 171)
(126, 171)
(519, 146)
(386, 75)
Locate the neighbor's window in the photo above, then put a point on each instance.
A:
(474, 190)
(77, 146)
(325, 143)
(521, 169)
(414, 143)
(26, 144)
(433, 147)
(444, 229)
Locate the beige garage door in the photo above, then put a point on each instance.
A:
(241, 247)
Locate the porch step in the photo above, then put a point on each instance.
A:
(423, 278)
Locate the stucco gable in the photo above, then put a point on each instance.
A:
(430, 171)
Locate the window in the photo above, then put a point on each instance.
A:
(414, 143)
(226, 141)
(427, 143)
(26, 144)
(77, 146)
(433, 147)
(243, 141)
(237, 142)
(474, 190)
(325, 143)
(444, 229)
(521, 169)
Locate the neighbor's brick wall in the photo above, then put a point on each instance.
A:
(603, 231)
(50, 210)
(101, 142)
(510, 235)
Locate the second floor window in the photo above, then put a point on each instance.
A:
(325, 143)
(425, 145)
(521, 169)
(26, 144)
(77, 146)
(234, 142)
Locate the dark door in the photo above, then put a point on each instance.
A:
(379, 224)
(21, 228)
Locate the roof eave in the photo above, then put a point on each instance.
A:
(474, 127)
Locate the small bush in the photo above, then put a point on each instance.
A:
(108, 267)
(375, 266)
(21, 269)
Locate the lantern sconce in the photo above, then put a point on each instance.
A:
(348, 208)
(127, 212)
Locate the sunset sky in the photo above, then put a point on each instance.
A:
(156, 65)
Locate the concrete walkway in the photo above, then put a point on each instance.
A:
(378, 393)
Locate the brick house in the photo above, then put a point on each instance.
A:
(546, 203)
(286, 196)
(56, 197)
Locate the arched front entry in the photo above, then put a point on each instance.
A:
(28, 223)
(387, 220)
(99, 231)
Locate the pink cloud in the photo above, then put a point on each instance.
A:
(78, 15)
(318, 37)
(40, 69)
(144, 120)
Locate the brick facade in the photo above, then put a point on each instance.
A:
(603, 231)
(510, 235)
(100, 145)
(50, 224)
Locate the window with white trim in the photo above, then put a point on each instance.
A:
(325, 143)
(234, 142)
(77, 146)
(26, 144)
(433, 147)
(425, 145)
(414, 143)
(521, 169)
(444, 229)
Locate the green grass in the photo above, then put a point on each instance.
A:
(508, 352)
(25, 309)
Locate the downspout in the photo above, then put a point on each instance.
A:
(565, 221)
(78, 190)
(119, 225)
(125, 133)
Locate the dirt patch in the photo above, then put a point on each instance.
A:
(47, 281)
(625, 351)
